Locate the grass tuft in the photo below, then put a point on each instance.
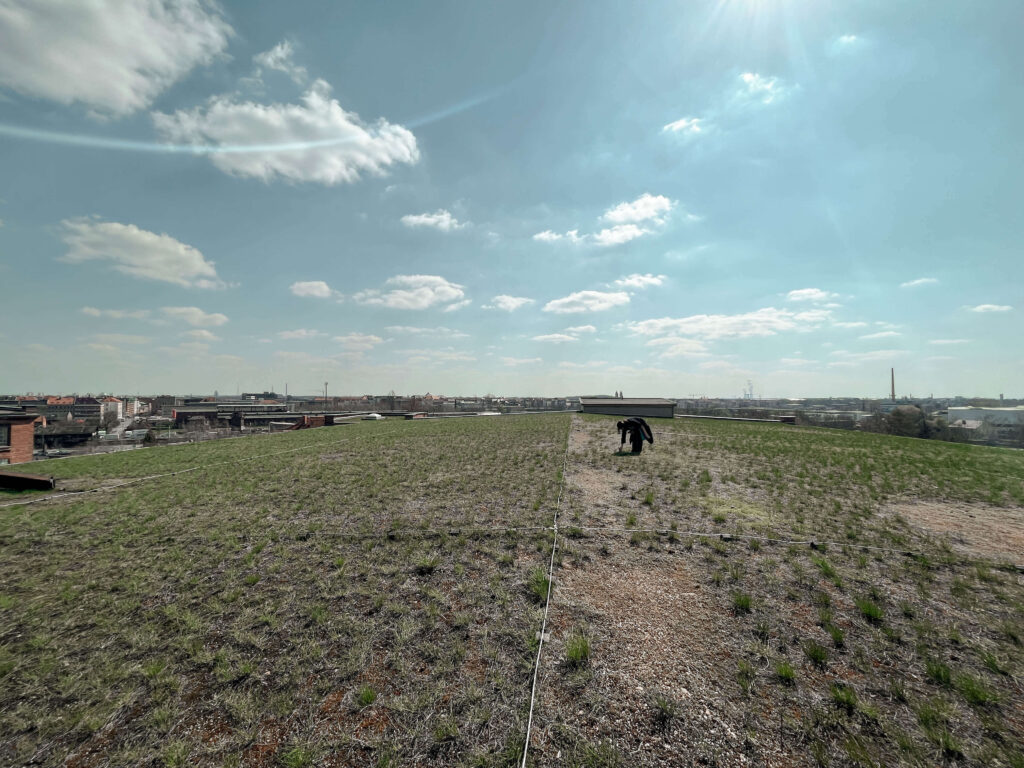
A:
(785, 672)
(538, 583)
(869, 610)
(365, 696)
(741, 602)
(577, 649)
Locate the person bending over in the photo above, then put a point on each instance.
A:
(638, 431)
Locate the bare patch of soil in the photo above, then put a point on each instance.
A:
(977, 529)
(655, 632)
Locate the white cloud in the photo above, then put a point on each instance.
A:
(313, 141)
(547, 236)
(815, 295)
(440, 220)
(316, 289)
(358, 342)
(195, 316)
(619, 234)
(508, 303)
(881, 335)
(949, 341)
(520, 360)
(116, 314)
(629, 221)
(795, 362)
(918, 282)
(446, 355)
(845, 324)
(555, 338)
(724, 367)
(991, 308)
(577, 329)
(679, 346)
(189, 347)
(109, 349)
(640, 281)
(647, 207)
(121, 338)
(847, 39)
(201, 334)
(299, 333)
(587, 301)
(457, 305)
(762, 322)
(687, 126)
(414, 292)
(138, 253)
(848, 359)
(279, 58)
(114, 57)
(755, 87)
(438, 331)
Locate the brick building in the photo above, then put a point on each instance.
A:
(17, 430)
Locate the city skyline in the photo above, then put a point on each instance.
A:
(515, 199)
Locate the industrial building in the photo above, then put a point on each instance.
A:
(1004, 417)
(648, 407)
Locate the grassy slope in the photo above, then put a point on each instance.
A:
(299, 608)
(785, 654)
(295, 609)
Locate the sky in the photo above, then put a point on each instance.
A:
(662, 198)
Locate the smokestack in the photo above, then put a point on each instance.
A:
(892, 374)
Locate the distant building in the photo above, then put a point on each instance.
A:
(87, 408)
(112, 406)
(66, 434)
(1003, 417)
(131, 407)
(16, 435)
(654, 407)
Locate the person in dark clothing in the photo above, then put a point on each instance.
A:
(638, 431)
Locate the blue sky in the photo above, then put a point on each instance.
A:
(518, 198)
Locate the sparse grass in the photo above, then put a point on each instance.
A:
(365, 696)
(869, 610)
(297, 757)
(282, 590)
(538, 584)
(665, 711)
(818, 654)
(745, 675)
(741, 602)
(876, 608)
(844, 697)
(938, 672)
(279, 587)
(577, 649)
(975, 692)
(425, 565)
(785, 672)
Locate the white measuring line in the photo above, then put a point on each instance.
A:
(547, 599)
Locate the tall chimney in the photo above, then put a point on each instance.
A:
(892, 374)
